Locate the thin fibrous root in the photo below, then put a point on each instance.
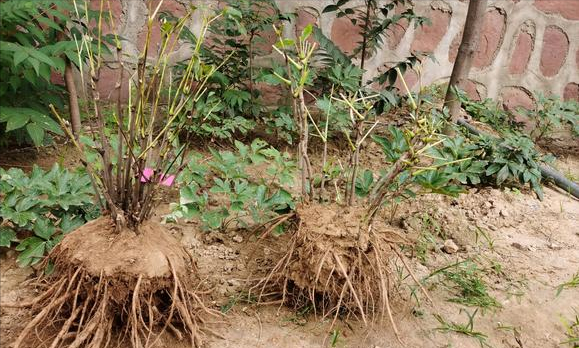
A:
(83, 309)
(335, 279)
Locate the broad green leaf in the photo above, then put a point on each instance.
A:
(44, 228)
(70, 223)
(31, 251)
(17, 121)
(188, 195)
(46, 122)
(35, 64)
(7, 236)
(26, 203)
(19, 57)
(36, 133)
(503, 174)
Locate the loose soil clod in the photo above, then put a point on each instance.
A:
(112, 288)
(337, 264)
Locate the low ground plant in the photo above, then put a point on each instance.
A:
(570, 284)
(484, 160)
(552, 114)
(571, 331)
(221, 192)
(38, 209)
(466, 280)
(464, 329)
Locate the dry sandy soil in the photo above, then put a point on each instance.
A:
(522, 247)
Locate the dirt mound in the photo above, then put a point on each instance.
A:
(110, 288)
(336, 264)
(99, 248)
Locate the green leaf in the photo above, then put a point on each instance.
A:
(16, 122)
(214, 218)
(493, 168)
(188, 195)
(26, 203)
(46, 122)
(7, 236)
(19, 57)
(48, 22)
(32, 250)
(284, 43)
(306, 32)
(503, 174)
(330, 8)
(36, 133)
(41, 57)
(70, 223)
(43, 228)
(35, 64)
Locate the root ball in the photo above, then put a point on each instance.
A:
(337, 264)
(110, 288)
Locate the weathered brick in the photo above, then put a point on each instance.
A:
(571, 91)
(566, 8)
(521, 53)
(428, 37)
(555, 49)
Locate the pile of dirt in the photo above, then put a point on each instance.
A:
(119, 288)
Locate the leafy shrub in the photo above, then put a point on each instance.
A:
(375, 21)
(485, 160)
(220, 191)
(215, 116)
(552, 113)
(47, 204)
(489, 112)
(399, 146)
(232, 103)
(281, 123)
(35, 40)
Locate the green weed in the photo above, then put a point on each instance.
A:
(238, 298)
(334, 336)
(571, 283)
(479, 232)
(299, 318)
(464, 329)
(466, 279)
(571, 331)
(46, 205)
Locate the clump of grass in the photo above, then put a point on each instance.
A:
(464, 329)
(571, 283)
(571, 331)
(467, 280)
(334, 338)
(479, 232)
(424, 243)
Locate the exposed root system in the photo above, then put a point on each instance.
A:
(112, 289)
(336, 264)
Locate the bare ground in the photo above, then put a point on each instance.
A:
(524, 248)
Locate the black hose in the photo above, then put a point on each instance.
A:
(546, 171)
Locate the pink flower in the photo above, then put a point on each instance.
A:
(147, 174)
(168, 181)
(164, 180)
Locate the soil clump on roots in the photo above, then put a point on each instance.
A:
(112, 289)
(336, 264)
